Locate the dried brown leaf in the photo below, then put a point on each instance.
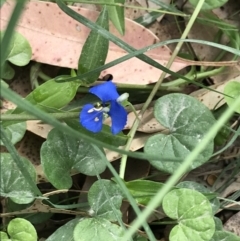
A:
(233, 224)
(210, 98)
(57, 39)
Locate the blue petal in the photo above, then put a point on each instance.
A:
(105, 92)
(91, 119)
(119, 117)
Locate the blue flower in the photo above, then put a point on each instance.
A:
(91, 117)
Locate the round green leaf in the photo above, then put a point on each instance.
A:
(15, 132)
(4, 236)
(65, 232)
(188, 120)
(105, 199)
(200, 188)
(61, 153)
(232, 89)
(193, 212)
(19, 50)
(12, 182)
(224, 236)
(20, 229)
(209, 4)
(98, 229)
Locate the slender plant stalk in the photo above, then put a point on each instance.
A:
(156, 87)
(42, 115)
(26, 117)
(130, 6)
(44, 76)
(229, 200)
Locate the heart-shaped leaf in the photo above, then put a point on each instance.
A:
(60, 153)
(19, 50)
(98, 229)
(200, 188)
(4, 236)
(193, 212)
(15, 132)
(13, 184)
(224, 236)
(64, 232)
(105, 199)
(20, 229)
(188, 120)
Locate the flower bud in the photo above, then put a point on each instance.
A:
(122, 97)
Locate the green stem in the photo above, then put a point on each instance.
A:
(45, 117)
(44, 76)
(156, 87)
(34, 75)
(129, 87)
(209, 73)
(57, 115)
(180, 81)
(164, 86)
(191, 51)
(229, 200)
(164, 223)
(174, 84)
(133, 109)
(25, 117)
(130, 6)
